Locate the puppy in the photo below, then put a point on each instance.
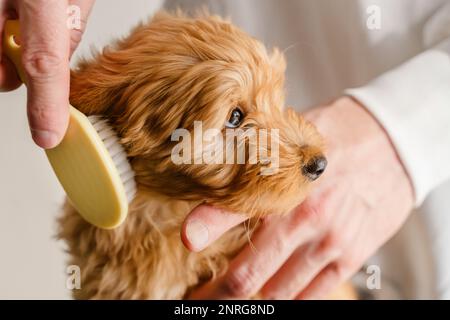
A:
(168, 74)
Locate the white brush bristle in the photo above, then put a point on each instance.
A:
(118, 154)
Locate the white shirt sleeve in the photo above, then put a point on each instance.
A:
(412, 102)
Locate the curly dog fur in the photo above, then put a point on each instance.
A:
(165, 75)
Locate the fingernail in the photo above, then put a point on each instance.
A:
(197, 233)
(45, 139)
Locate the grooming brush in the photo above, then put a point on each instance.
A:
(90, 162)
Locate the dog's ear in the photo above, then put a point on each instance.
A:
(107, 86)
(95, 87)
(129, 83)
(98, 84)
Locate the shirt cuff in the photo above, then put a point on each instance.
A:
(412, 103)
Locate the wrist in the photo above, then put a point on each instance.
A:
(353, 134)
(347, 125)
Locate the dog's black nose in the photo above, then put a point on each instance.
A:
(315, 167)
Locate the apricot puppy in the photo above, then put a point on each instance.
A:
(173, 73)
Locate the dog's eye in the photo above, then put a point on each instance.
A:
(236, 118)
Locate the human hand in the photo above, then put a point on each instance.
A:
(362, 199)
(47, 44)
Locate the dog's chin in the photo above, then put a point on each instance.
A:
(236, 188)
